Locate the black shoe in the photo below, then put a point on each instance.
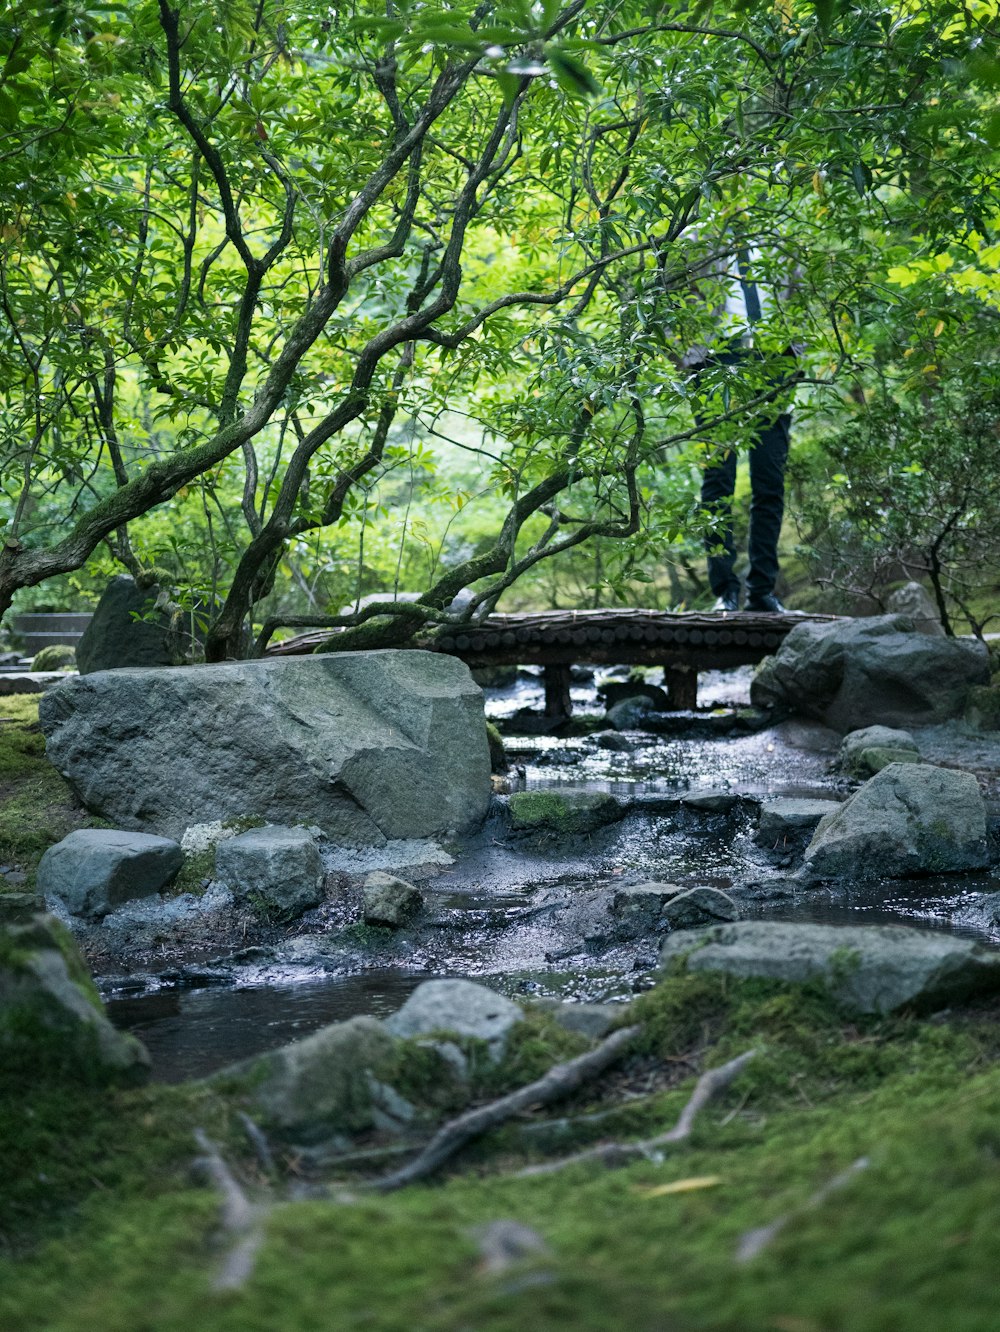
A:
(729, 601)
(766, 604)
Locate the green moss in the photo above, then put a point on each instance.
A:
(498, 755)
(37, 807)
(195, 873)
(57, 657)
(909, 1245)
(584, 811)
(244, 823)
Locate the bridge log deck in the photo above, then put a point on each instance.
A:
(681, 642)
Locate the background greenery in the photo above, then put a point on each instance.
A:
(300, 304)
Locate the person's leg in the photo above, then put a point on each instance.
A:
(717, 486)
(768, 455)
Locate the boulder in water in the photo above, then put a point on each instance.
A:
(907, 819)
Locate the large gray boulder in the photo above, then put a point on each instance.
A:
(94, 870)
(278, 870)
(367, 746)
(907, 819)
(51, 1016)
(458, 1006)
(878, 671)
(116, 638)
(868, 969)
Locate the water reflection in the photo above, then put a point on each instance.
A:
(191, 1033)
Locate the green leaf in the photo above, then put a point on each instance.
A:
(573, 77)
(510, 86)
(826, 12)
(862, 176)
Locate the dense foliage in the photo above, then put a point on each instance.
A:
(301, 303)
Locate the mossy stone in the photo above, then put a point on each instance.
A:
(982, 709)
(576, 812)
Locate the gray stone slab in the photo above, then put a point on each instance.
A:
(868, 969)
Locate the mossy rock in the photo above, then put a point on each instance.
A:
(554, 811)
(982, 709)
(55, 657)
(498, 755)
(51, 1015)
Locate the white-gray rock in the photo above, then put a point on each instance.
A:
(711, 802)
(388, 900)
(789, 822)
(866, 751)
(652, 905)
(854, 673)
(365, 745)
(907, 819)
(94, 870)
(279, 869)
(458, 1006)
(868, 969)
(914, 601)
(643, 902)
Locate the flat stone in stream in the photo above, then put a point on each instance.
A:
(867, 969)
(787, 823)
(563, 811)
(645, 907)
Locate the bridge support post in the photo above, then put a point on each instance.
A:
(681, 683)
(557, 699)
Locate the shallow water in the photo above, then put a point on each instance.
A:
(190, 1033)
(530, 915)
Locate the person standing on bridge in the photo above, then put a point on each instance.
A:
(743, 301)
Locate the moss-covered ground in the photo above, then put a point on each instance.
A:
(37, 807)
(104, 1227)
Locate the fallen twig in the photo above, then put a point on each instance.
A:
(613, 1154)
(242, 1220)
(753, 1242)
(558, 1081)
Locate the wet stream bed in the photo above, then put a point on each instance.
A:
(529, 913)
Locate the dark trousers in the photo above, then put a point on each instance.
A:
(768, 454)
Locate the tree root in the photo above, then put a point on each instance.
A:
(558, 1081)
(242, 1221)
(615, 1154)
(753, 1242)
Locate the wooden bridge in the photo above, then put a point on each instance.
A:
(683, 643)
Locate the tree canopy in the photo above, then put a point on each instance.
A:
(255, 258)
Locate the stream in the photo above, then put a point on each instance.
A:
(530, 914)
